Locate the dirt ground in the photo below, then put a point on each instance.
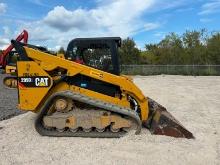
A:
(195, 101)
(8, 102)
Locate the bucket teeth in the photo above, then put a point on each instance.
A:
(161, 122)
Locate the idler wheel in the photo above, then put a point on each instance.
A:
(112, 129)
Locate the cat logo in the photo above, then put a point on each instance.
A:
(42, 82)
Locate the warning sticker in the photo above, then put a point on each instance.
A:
(97, 74)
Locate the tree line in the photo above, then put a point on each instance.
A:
(190, 48)
(197, 47)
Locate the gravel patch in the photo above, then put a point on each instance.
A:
(194, 101)
(8, 102)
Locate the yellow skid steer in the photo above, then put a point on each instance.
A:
(84, 95)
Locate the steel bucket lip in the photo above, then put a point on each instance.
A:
(162, 122)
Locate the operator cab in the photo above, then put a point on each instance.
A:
(99, 53)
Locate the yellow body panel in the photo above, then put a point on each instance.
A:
(31, 98)
(10, 69)
(60, 55)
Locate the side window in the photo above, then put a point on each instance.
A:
(99, 58)
(96, 55)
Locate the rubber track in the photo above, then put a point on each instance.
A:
(87, 100)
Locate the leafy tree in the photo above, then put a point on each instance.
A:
(61, 50)
(171, 49)
(213, 49)
(194, 47)
(147, 57)
(152, 53)
(129, 53)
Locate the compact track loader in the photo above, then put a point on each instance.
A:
(84, 94)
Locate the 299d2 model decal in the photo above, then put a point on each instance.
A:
(34, 81)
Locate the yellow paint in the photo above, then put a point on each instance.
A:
(30, 98)
(10, 69)
(43, 64)
(96, 74)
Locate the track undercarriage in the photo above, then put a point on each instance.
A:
(72, 114)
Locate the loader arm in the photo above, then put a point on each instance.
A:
(49, 63)
(23, 36)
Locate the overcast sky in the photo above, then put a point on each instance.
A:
(53, 23)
